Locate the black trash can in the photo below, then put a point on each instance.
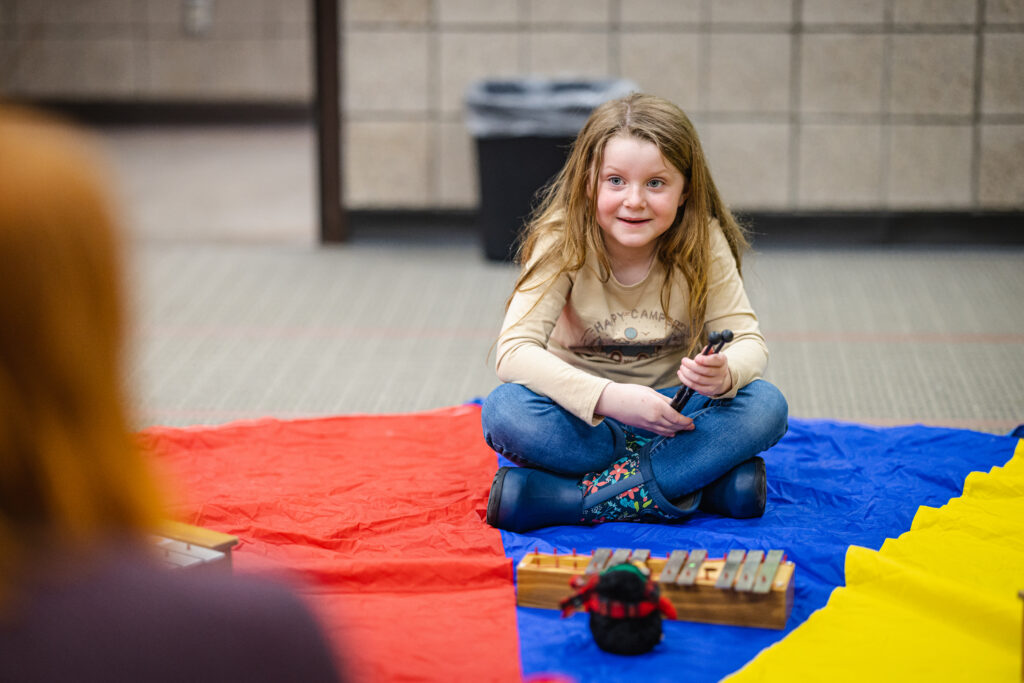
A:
(523, 130)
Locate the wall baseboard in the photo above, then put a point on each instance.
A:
(175, 112)
(781, 228)
(885, 227)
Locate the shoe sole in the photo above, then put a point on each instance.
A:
(762, 494)
(494, 498)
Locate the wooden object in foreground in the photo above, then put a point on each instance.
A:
(763, 598)
(183, 546)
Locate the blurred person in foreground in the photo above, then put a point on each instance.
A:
(80, 596)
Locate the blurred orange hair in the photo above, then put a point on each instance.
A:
(70, 472)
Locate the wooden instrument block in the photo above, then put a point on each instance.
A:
(183, 546)
(543, 580)
(204, 538)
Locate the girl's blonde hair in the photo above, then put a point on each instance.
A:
(70, 472)
(567, 210)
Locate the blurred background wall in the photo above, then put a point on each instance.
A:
(146, 50)
(859, 105)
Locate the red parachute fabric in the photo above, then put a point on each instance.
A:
(380, 518)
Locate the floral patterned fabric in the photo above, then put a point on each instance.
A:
(633, 504)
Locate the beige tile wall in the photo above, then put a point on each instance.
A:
(802, 104)
(139, 49)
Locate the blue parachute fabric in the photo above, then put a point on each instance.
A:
(830, 485)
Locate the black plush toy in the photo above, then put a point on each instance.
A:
(625, 609)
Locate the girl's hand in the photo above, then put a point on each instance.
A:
(643, 407)
(708, 375)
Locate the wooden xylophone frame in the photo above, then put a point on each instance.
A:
(543, 580)
(183, 546)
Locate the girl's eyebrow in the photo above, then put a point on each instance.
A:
(608, 168)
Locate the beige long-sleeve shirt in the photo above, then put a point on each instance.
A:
(570, 340)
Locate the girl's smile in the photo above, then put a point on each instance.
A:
(638, 195)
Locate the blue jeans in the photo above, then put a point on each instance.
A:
(534, 431)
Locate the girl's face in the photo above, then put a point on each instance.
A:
(638, 194)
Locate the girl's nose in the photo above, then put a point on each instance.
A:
(634, 197)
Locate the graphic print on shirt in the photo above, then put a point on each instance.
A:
(632, 335)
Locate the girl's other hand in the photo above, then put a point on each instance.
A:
(643, 407)
(708, 375)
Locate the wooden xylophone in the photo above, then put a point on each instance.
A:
(744, 588)
(183, 546)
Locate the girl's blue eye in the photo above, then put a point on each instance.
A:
(656, 183)
(615, 180)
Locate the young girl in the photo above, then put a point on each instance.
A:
(629, 263)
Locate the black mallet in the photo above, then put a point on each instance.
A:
(716, 340)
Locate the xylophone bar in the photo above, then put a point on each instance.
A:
(727, 577)
(174, 554)
(674, 566)
(748, 570)
(691, 570)
(767, 571)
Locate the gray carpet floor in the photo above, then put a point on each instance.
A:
(239, 314)
(884, 336)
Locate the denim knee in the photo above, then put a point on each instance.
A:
(533, 430)
(497, 416)
(510, 423)
(768, 412)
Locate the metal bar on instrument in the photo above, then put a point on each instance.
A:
(640, 555)
(732, 566)
(180, 554)
(598, 561)
(674, 565)
(766, 574)
(689, 573)
(748, 571)
(620, 556)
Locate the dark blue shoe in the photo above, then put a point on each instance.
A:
(740, 493)
(523, 498)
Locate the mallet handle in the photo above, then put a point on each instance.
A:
(716, 340)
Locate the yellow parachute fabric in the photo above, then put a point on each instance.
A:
(939, 603)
